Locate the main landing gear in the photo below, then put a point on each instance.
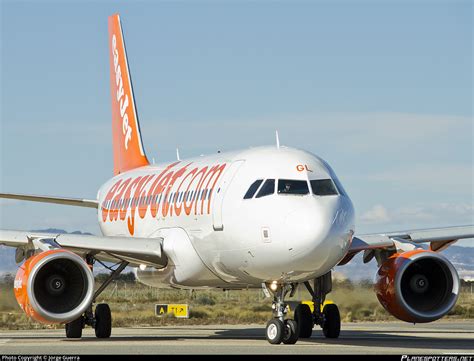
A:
(327, 317)
(100, 319)
(279, 330)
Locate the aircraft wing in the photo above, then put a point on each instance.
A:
(79, 202)
(136, 251)
(439, 239)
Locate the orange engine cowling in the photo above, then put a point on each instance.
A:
(54, 286)
(417, 286)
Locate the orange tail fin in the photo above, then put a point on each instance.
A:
(127, 140)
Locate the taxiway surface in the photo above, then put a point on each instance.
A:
(356, 338)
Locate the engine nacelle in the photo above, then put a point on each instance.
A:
(417, 286)
(54, 286)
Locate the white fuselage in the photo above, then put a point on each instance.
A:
(213, 237)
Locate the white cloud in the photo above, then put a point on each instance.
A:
(439, 177)
(377, 214)
(414, 213)
(419, 215)
(355, 132)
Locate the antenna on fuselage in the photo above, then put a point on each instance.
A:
(177, 154)
(277, 139)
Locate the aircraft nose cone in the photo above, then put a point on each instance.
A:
(320, 232)
(307, 229)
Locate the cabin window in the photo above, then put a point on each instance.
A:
(292, 186)
(253, 188)
(267, 189)
(323, 187)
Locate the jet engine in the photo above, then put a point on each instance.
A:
(54, 286)
(417, 286)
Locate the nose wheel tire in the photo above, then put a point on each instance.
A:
(304, 320)
(275, 331)
(291, 332)
(103, 321)
(74, 328)
(332, 321)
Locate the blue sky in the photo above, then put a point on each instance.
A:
(382, 90)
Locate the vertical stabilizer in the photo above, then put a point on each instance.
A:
(127, 141)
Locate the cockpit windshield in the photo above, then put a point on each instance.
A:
(291, 186)
(323, 187)
(267, 189)
(319, 187)
(253, 189)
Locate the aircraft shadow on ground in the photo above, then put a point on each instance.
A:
(375, 338)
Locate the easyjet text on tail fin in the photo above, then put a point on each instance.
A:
(127, 142)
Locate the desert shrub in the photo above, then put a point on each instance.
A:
(198, 314)
(205, 299)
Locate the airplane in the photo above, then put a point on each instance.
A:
(274, 218)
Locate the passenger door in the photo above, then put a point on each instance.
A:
(220, 194)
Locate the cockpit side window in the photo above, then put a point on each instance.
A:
(253, 188)
(267, 189)
(323, 187)
(291, 186)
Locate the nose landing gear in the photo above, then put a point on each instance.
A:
(278, 329)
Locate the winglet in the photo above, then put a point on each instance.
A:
(127, 142)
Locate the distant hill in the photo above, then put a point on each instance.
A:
(461, 257)
(59, 231)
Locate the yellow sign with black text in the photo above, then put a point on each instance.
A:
(172, 309)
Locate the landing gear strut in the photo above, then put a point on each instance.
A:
(328, 317)
(278, 329)
(101, 319)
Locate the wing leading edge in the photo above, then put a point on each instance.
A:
(78, 202)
